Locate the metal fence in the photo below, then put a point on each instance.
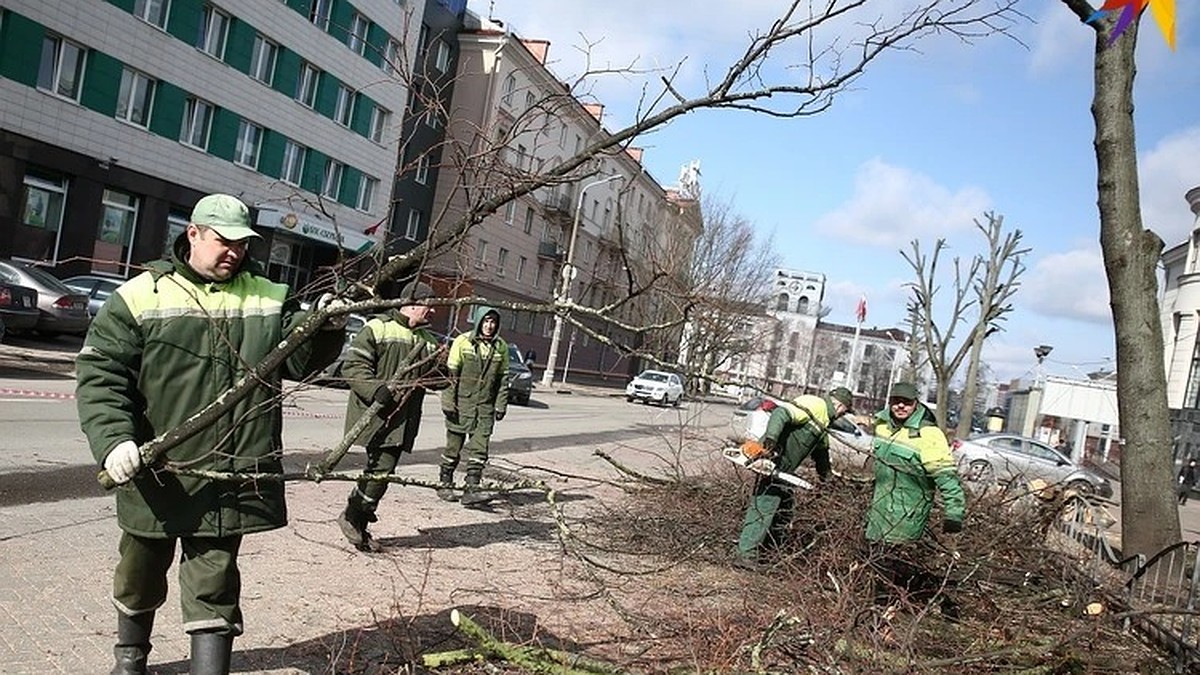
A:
(1161, 592)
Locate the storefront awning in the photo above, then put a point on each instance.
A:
(312, 227)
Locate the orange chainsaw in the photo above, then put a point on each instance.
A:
(753, 456)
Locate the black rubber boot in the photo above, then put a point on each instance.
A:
(473, 496)
(211, 653)
(353, 521)
(133, 643)
(446, 490)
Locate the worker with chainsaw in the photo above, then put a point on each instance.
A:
(392, 361)
(170, 342)
(912, 463)
(476, 399)
(795, 430)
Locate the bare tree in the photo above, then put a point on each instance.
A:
(984, 285)
(1149, 517)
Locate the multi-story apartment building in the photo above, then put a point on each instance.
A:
(115, 117)
(512, 120)
(1180, 307)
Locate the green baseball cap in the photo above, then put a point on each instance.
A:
(905, 390)
(224, 214)
(842, 395)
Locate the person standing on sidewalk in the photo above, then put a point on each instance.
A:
(1187, 480)
(795, 430)
(166, 344)
(912, 462)
(392, 361)
(476, 399)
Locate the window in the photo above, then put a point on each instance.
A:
(306, 84)
(480, 252)
(391, 57)
(379, 120)
(114, 239)
(61, 68)
(197, 119)
(41, 217)
(414, 225)
(366, 192)
(537, 277)
(249, 142)
(521, 262)
(331, 181)
(153, 12)
(510, 212)
(433, 118)
(422, 176)
(510, 84)
(177, 222)
(262, 61)
(529, 100)
(344, 110)
(214, 31)
(529, 220)
(356, 38)
(318, 13)
(135, 97)
(443, 56)
(422, 42)
(293, 163)
(501, 260)
(521, 150)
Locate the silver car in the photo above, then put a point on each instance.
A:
(1005, 457)
(61, 309)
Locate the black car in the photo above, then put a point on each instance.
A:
(18, 308)
(520, 377)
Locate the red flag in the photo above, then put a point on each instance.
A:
(373, 229)
(861, 310)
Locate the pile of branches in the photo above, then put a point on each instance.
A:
(1024, 600)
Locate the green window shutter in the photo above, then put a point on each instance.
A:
(348, 194)
(240, 46)
(167, 116)
(377, 39)
(270, 159)
(20, 45)
(184, 20)
(361, 122)
(326, 101)
(287, 69)
(301, 6)
(314, 168)
(101, 82)
(126, 5)
(223, 139)
(339, 20)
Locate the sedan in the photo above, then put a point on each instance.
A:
(96, 288)
(61, 309)
(18, 308)
(984, 458)
(655, 386)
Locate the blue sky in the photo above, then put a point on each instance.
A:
(923, 144)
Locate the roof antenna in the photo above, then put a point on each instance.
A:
(491, 10)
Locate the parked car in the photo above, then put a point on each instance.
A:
(61, 309)
(655, 386)
(984, 458)
(18, 308)
(96, 288)
(520, 377)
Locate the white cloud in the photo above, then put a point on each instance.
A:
(1070, 285)
(893, 205)
(1165, 174)
(1059, 41)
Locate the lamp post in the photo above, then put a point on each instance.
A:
(568, 275)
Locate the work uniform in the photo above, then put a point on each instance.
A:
(912, 460)
(477, 395)
(795, 430)
(163, 347)
(387, 350)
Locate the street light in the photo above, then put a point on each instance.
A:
(568, 275)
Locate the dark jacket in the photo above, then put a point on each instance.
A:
(478, 380)
(912, 460)
(388, 350)
(165, 345)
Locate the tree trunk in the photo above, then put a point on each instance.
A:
(1149, 517)
(966, 407)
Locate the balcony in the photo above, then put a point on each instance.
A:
(558, 208)
(549, 250)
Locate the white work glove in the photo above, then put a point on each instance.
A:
(123, 462)
(330, 301)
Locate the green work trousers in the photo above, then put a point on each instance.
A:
(767, 517)
(210, 584)
(476, 445)
(381, 460)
